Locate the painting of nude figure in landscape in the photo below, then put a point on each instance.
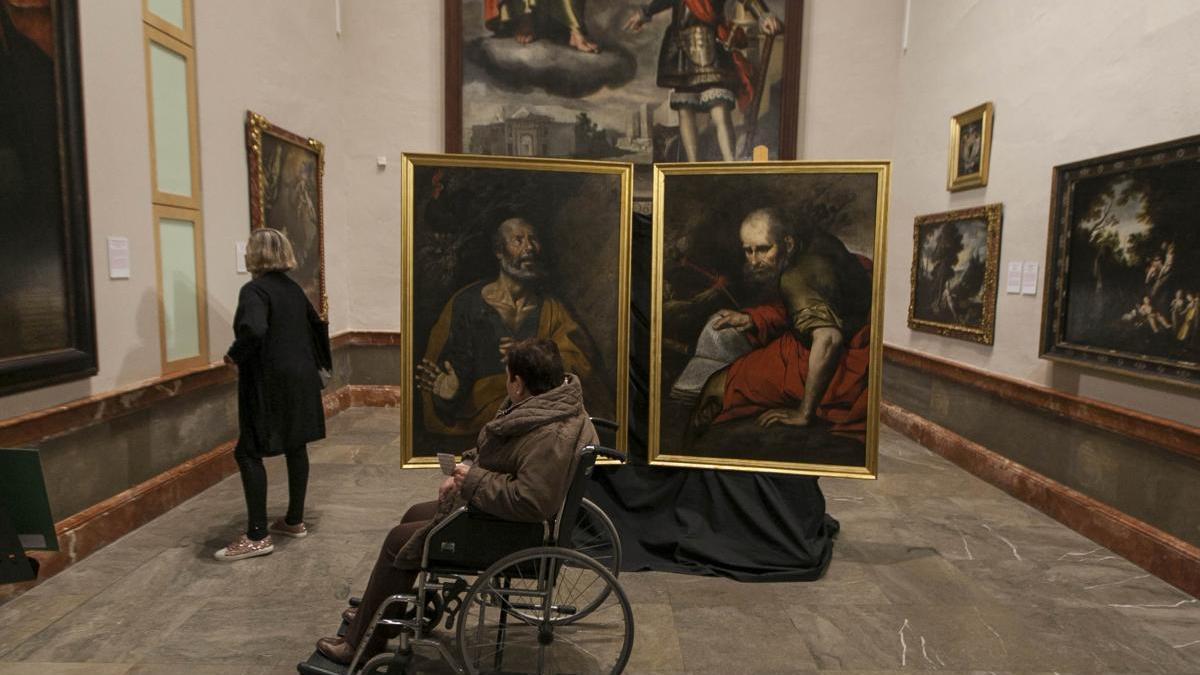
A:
(1121, 293)
(767, 294)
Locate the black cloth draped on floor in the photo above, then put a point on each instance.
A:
(747, 526)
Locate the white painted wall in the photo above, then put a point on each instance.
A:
(1071, 79)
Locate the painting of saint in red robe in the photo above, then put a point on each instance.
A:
(766, 335)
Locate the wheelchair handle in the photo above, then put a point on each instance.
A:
(601, 451)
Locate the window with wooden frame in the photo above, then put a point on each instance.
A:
(175, 183)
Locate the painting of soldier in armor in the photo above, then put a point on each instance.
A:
(1122, 295)
(501, 250)
(765, 340)
(664, 81)
(956, 258)
(286, 178)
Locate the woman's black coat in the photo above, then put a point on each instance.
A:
(279, 343)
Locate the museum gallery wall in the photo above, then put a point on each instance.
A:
(45, 263)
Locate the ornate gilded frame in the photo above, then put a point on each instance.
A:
(1054, 345)
(955, 181)
(992, 214)
(256, 127)
(411, 161)
(882, 171)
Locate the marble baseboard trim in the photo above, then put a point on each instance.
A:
(1159, 553)
(93, 528)
(40, 425)
(365, 338)
(1174, 436)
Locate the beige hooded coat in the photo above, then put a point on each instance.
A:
(522, 462)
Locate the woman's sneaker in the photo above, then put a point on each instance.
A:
(299, 531)
(245, 547)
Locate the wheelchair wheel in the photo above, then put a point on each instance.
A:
(510, 621)
(596, 537)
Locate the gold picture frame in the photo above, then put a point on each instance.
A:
(970, 148)
(454, 211)
(729, 193)
(971, 315)
(261, 133)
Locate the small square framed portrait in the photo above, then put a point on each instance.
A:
(970, 148)
(956, 262)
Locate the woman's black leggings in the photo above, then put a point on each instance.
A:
(254, 484)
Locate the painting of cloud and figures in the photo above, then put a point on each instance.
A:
(674, 80)
(955, 268)
(1126, 291)
(764, 352)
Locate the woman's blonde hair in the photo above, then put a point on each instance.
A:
(269, 251)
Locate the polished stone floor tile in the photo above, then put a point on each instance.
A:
(933, 570)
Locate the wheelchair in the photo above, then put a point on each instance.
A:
(521, 597)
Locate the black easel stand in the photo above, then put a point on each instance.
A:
(15, 566)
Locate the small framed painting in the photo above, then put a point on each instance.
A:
(970, 148)
(287, 174)
(956, 262)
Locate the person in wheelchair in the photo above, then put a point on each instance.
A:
(519, 470)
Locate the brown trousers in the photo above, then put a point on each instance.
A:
(386, 578)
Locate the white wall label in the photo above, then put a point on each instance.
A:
(1029, 278)
(1013, 284)
(118, 257)
(239, 250)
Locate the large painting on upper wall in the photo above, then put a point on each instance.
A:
(663, 81)
(1123, 289)
(48, 332)
(766, 307)
(503, 249)
(287, 173)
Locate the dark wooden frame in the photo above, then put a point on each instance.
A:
(256, 126)
(789, 112)
(1053, 344)
(78, 360)
(993, 215)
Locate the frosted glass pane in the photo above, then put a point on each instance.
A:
(180, 311)
(170, 11)
(172, 147)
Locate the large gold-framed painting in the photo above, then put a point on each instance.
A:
(767, 297)
(498, 249)
(287, 174)
(955, 269)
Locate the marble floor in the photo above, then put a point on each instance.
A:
(934, 570)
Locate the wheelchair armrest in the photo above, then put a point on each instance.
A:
(602, 451)
(601, 423)
(470, 539)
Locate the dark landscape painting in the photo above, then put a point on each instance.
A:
(501, 250)
(286, 185)
(763, 339)
(45, 271)
(603, 80)
(1126, 291)
(955, 268)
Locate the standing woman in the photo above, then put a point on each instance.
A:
(279, 344)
